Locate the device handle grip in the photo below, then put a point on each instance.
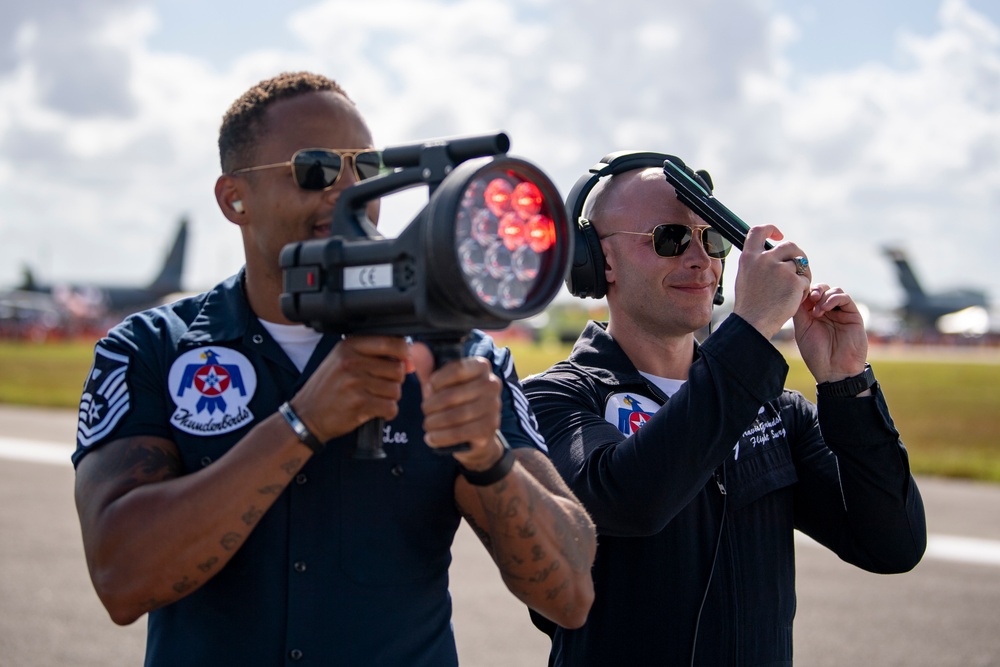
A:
(444, 351)
(369, 447)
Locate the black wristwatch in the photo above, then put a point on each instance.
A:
(496, 472)
(848, 387)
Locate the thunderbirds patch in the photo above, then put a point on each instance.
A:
(211, 387)
(105, 398)
(629, 412)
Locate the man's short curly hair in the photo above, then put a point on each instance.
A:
(241, 125)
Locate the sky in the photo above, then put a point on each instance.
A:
(850, 125)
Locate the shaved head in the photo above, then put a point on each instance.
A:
(614, 195)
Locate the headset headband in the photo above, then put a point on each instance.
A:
(611, 164)
(586, 274)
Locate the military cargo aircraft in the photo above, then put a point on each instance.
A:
(32, 304)
(961, 310)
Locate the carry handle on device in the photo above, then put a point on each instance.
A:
(711, 210)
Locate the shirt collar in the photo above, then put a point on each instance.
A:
(600, 356)
(224, 314)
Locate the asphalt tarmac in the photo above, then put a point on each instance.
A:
(945, 612)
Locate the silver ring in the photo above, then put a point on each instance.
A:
(801, 264)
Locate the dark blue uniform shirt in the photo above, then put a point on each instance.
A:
(350, 564)
(696, 498)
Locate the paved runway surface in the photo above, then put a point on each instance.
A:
(945, 612)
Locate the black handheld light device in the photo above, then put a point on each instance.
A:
(491, 246)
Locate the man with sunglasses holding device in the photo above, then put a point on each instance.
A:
(694, 463)
(216, 483)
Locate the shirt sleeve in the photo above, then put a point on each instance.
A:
(856, 494)
(123, 394)
(517, 421)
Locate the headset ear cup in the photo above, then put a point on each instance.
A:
(586, 275)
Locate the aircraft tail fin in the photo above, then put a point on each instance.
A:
(28, 282)
(907, 278)
(169, 279)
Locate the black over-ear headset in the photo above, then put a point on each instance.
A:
(586, 275)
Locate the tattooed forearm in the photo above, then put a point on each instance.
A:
(208, 564)
(480, 532)
(291, 467)
(544, 573)
(153, 603)
(553, 593)
(230, 541)
(577, 553)
(511, 516)
(574, 534)
(252, 516)
(540, 537)
(511, 509)
(185, 585)
(143, 463)
(271, 490)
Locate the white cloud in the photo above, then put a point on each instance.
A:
(105, 141)
(881, 154)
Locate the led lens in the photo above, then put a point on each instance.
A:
(485, 227)
(498, 261)
(511, 231)
(505, 235)
(471, 255)
(526, 263)
(512, 292)
(540, 233)
(526, 200)
(497, 196)
(486, 289)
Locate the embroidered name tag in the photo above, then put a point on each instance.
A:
(764, 429)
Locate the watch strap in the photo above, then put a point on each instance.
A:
(848, 387)
(494, 473)
(302, 431)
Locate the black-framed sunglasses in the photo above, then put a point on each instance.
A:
(320, 168)
(673, 239)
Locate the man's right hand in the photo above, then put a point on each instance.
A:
(359, 380)
(768, 290)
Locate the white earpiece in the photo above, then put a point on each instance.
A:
(238, 206)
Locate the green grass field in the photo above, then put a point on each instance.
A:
(946, 403)
(48, 374)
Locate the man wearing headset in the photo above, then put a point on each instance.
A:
(216, 486)
(694, 463)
